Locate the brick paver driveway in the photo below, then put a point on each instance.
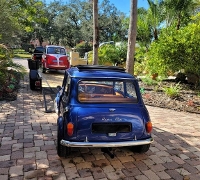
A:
(28, 146)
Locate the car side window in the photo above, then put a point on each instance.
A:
(62, 51)
(130, 90)
(66, 89)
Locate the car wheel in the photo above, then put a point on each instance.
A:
(32, 84)
(62, 151)
(141, 148)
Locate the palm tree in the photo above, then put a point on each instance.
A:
(155, 16)
(178, 12)
(95, 32)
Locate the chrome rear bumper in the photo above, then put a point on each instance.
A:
(106, 144)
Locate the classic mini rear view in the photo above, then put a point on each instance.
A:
(101, 106)
(55, 58)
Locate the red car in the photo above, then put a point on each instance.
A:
(55, 57)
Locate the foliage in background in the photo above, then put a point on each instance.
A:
(176, 50)
(83, 47)
(149, 81)
(7, 63)
(114, 54)
(18, 17)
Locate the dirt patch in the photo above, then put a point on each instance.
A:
(188, 98)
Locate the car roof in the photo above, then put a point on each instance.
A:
(98, 71)
(54, 46)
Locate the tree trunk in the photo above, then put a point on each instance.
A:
(132, 37)
(95, 32)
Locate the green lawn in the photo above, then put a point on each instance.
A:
(20, 53)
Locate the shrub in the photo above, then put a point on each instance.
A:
(173, 91)
(149, 81)
(7, 63)
(83, 47)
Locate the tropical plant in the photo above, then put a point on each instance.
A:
(172, 91)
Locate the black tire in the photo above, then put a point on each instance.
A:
(44, 70)
(62, 151)
(141, 149)
(32, 84)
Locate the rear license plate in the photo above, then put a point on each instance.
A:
(112, 134)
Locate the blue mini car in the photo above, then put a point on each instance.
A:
(101, 106)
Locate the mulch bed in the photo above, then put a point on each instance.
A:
(187, 101)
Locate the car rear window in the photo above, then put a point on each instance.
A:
(56, 50)
(39, 50)
(106, 92)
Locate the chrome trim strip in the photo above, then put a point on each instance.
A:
(106, 144)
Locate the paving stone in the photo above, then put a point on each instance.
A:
(5, 158)
(71, 173)
(7, 164)
(163, 175)
(98, 173)
(84, 173)
(42, 163)
(84, 165)
(131, 172)
(124, 159)
(78, 160)
(115, 175)
(88, 157)
(151, 175)
(101, 163)
(34, 174)
(17, 154)
(141, 165)
(16, 171)
(25, 161)
(18, 146)
(129, 165)
(54, 170)
(4, 177)
(157, 167)
(29, 167)
(171, 165)
(174, 174)
(4, 171)
(41, 155)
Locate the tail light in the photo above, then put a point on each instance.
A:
(37, 83)
(70, 129)
(149, 127)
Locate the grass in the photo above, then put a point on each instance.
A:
(22, 56)
(20, 53)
